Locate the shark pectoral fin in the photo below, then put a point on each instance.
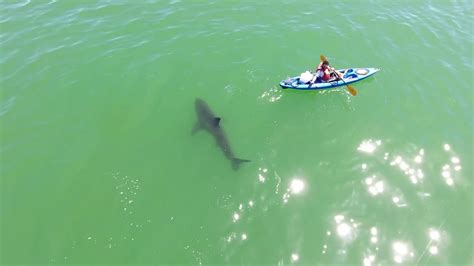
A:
(216, 121)
(236, 163)
(196, 128)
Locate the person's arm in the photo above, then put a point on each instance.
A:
(318, 67)
(341, 75)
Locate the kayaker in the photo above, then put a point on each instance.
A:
(323, 73)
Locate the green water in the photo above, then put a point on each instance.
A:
(98, 164)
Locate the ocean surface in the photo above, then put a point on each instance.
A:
(99, 164)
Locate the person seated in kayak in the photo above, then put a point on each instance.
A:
(325, 73)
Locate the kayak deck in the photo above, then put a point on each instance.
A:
(351, 75)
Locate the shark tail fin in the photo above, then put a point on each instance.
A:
(236, 163)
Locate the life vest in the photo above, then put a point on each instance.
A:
(321, 72)
(327, 75)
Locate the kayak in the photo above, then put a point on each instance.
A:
(351, 75)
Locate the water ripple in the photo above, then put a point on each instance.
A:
(7, 105)
(42, 41)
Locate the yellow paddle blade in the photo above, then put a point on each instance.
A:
(351, 90)
(323, 58)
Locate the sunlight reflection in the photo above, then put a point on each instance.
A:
(374, 239)
(449, 181)
(346, 230)
(447, 169)
(434, 234)
(296, 187)
(398, 201)
(294, 257)
(231, 237)
(455, 160)
(127, 188)
(418, 159)
(415, 174)
(373, 233)
(339, 218)
(434, 241)
(235, 217)
(433, 250)
(261, 175)
(374, 186)
(401, 252)
(369, 146)
(286, 196)
(369, 260)
(410, 166)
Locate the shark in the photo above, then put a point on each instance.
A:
(207, 121)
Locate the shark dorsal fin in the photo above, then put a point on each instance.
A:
(216, 121)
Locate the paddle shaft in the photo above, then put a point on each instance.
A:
(351, 90)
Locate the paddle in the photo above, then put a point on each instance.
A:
(351, 89)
